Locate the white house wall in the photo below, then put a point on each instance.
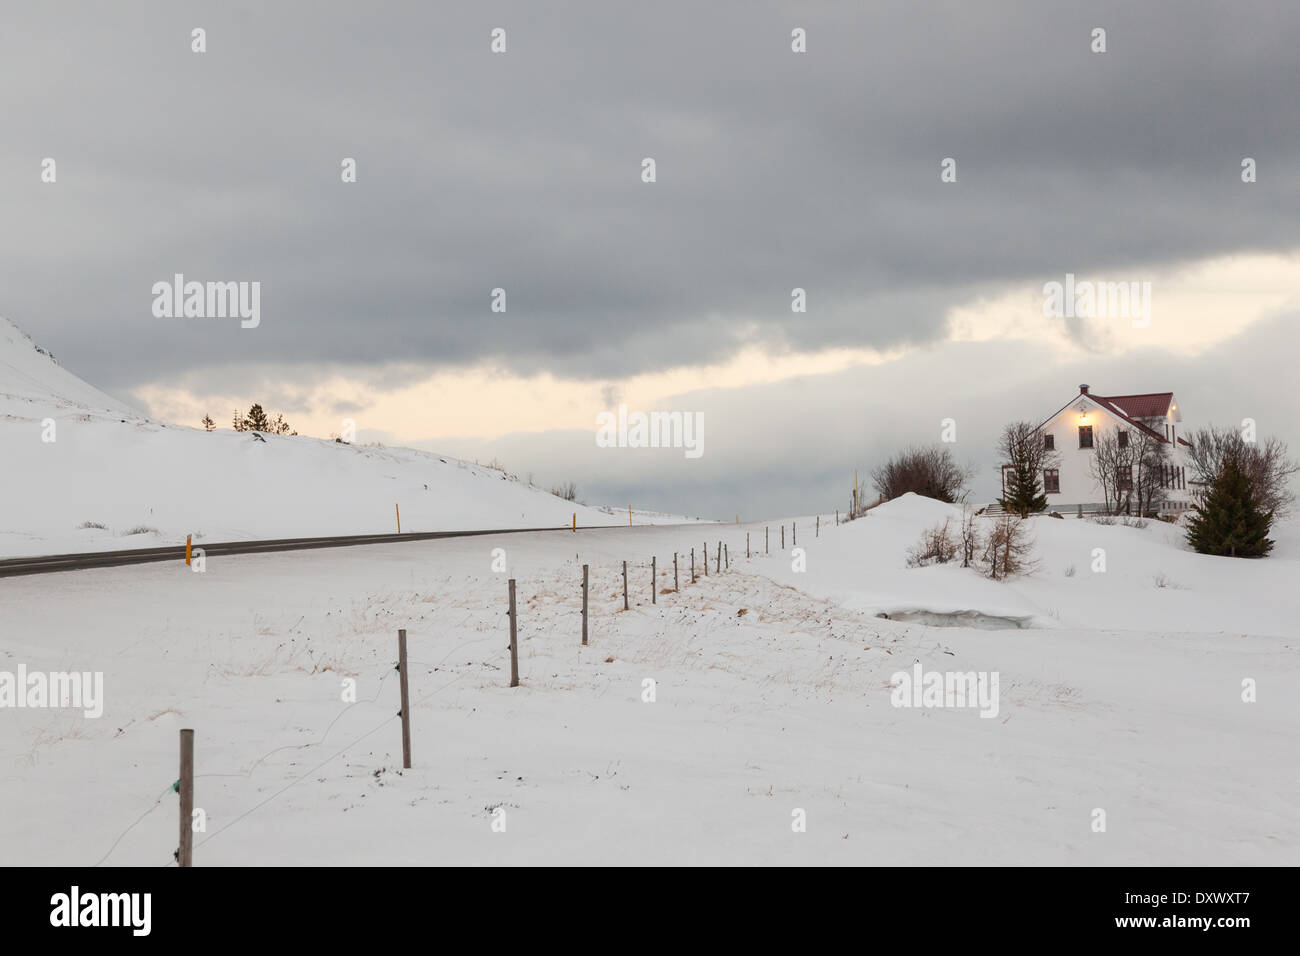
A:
(1077, 483)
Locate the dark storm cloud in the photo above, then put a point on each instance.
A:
(522, 171)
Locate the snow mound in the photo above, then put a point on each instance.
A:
(912, 507)
(82, 471)
(1087, 575)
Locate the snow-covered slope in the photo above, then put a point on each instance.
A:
(147, 483)
(33, 386)
(1087, 575)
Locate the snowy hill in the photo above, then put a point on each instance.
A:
(148, 483)
(34, 386)
(1088, 575)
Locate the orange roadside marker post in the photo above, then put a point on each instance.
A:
(399, 518)
(188, 539)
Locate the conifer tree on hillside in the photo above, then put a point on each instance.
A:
(207, 423)
(1024, 493)
(256, 421)
(1229, 521)
(1022, 447)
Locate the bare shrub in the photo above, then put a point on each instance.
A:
(971, 538)
(935, 547)
(92, 524)
(1008, 550)
(566, 490)
(1125, 520)
(927, 470)
(1266, 464)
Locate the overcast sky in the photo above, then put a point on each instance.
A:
(775, 170)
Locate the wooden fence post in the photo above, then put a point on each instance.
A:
(625, 585)
(837, 517)
(817, 532)
(675, 588)
(706, 559)
(185, 852)
(406, 699)
(514, 640)
(746, 544)
(692, 565)
(767, 540)
(726, 553)
(782, 537)
(794, 535)
(719, 557)
(584, 605)
(654, 580)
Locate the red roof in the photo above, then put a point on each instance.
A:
(1150, 405)
(1129, 408)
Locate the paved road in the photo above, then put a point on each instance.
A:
(10, 567)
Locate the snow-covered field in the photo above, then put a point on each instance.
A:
(84, 472)
(772, 695)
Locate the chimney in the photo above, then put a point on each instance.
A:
(1083, 389)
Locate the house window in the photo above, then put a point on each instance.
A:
(1123, 439)
(1085, 436)
(1126, 478)
(1052, 481)
(1049, 442)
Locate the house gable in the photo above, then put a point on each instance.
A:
(1082, 412)
(1070, 480)
(1117, 410)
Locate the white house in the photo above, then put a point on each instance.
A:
(1074, 429)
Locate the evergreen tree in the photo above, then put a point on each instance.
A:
(238, 424)
(257, 420)
(1229, 521)
(1024, 494)
(1022, 448)
(208, 423)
